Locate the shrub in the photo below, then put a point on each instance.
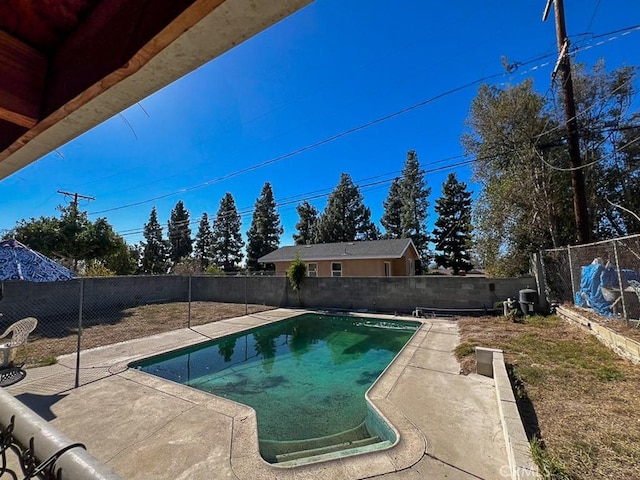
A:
(214, 270)
(296, 272)
(97, 269)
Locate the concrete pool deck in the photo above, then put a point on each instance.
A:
(147, 428)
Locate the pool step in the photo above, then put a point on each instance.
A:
(287, 457)
(270, 449)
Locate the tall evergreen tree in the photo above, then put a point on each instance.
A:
(203, 248)
(415, 194)
(345, 217)
(179, 232)
(227, 240)
(392, 217)
(452, 233)
(155, 253)
(306, 226)
(264, 234)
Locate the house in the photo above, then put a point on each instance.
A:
(374, 258)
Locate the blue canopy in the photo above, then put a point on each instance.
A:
(18, 262)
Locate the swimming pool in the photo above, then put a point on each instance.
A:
(306, 377)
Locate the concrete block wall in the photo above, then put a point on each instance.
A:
(394, 294)
(62, 299)
(130, 291)
(26, 299)
(260, 290)
(404, 294)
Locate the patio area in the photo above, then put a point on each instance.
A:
(144, 427)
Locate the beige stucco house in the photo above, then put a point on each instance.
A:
(376, 258)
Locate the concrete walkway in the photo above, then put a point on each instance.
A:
(146, 428)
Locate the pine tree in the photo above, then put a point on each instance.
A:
(204, 242)
(415, 195)
(452, 234)
(392, 217)
(155, 253)
(345, 217)
(264, 234)
(227, 240)
(179, 232)
(306, 226)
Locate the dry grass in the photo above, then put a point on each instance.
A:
(56, 337)
(574, 393)
(619, 325)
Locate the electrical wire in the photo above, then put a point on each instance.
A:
(302, 197)
(571, 169)
(593, 16)
(310, 146)
(581, 113)
(364, 126)
(517, 65)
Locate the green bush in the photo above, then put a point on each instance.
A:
(97, 269)
(296, 272)
(214, 270)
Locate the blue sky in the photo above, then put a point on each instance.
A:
(323, 72)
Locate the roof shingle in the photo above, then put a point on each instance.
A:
(393, 248)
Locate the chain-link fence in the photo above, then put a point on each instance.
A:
(602, 276)
(85, 313)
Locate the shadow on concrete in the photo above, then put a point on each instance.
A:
(41, 404)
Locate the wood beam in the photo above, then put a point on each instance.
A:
(22, 76)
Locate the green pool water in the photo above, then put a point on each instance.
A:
(306, 377)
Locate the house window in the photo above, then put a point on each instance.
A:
(336, 269)
(312, 269)
(387, 269)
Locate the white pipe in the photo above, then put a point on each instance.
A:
(75, 464)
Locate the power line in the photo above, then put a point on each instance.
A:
(310, 146)
(581, 113)
(343, 133)
(608, 157)
(624, 30)
(293, 199)
(75, 197)
(593, 16)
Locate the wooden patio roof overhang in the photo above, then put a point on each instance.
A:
(68, 65)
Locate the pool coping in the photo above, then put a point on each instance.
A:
(246, 461)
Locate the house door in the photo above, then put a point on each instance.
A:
(387, 269)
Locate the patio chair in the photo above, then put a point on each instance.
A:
(19, 332)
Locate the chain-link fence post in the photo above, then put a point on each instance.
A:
(620, 280)
(79, 335)
(573, 283)
(189, 304)
(246, 304)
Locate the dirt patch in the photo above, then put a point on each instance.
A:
(575, 394)
(59, 336)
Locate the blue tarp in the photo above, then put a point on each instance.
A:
(596, 276)
(18, 262)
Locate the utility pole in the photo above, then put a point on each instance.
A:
(571, 123)
(75, 196)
